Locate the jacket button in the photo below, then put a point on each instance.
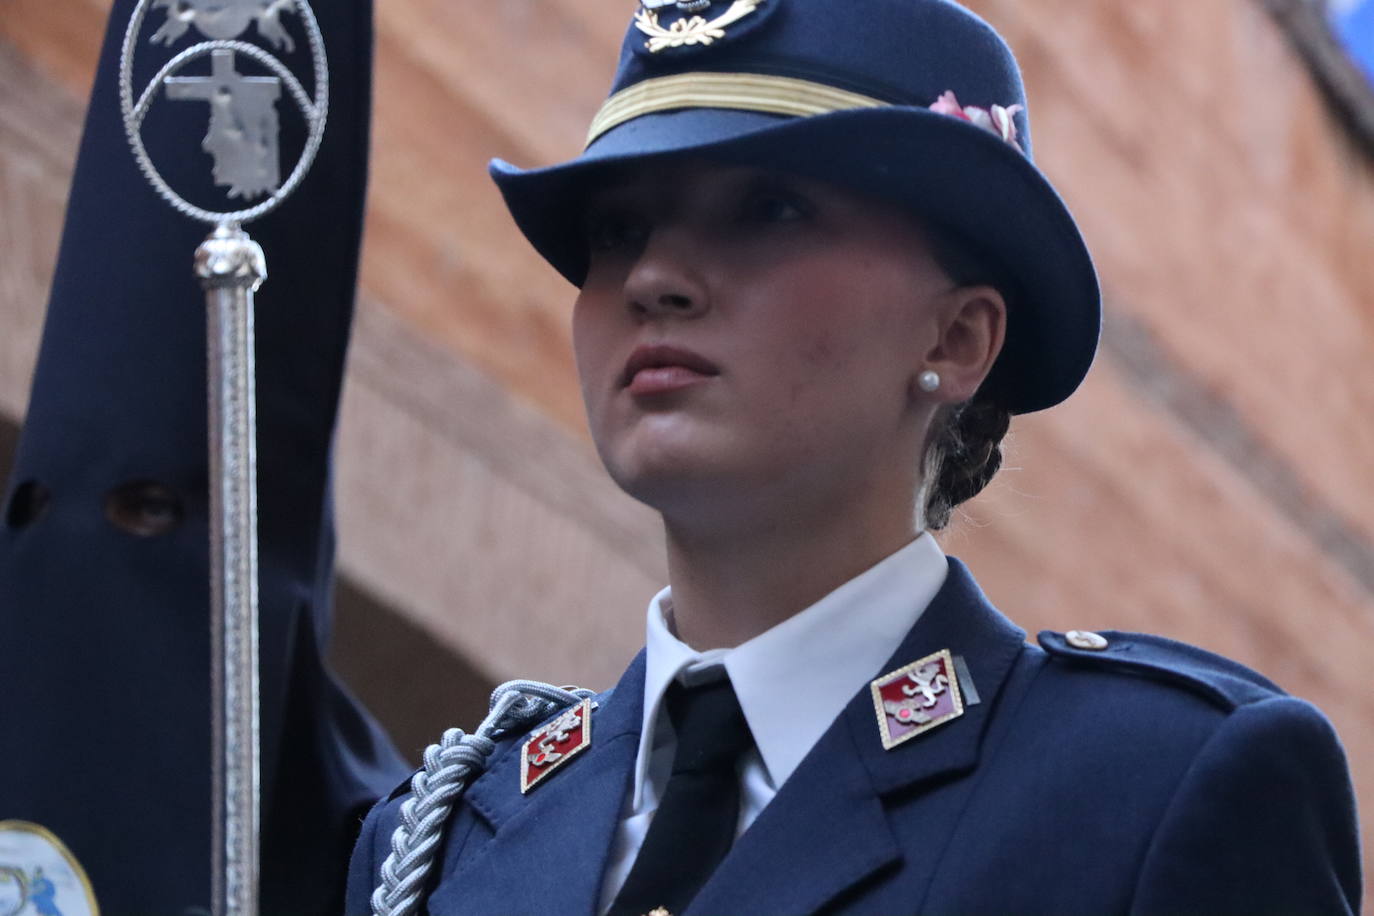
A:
(1086, 639)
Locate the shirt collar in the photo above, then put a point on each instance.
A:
(815, 660)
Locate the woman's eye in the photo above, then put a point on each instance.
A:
(776, 207)
(610, 230)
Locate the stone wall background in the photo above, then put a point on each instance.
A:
(1210, 481)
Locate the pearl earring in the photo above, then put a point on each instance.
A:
(929, 381)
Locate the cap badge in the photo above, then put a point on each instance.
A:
(691, 29)
(550, 748)
(916, 698)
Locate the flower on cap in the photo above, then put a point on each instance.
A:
(997, 120)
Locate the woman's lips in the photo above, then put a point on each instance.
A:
(664, 379)
(661, 369)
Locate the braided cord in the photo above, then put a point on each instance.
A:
(449, 766)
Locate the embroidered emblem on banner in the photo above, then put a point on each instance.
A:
(916, 698)
(691, 29)
(550, 748)
(39, 876)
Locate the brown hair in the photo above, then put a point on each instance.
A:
(964, 446)
(963, 453)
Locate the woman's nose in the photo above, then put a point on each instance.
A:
(665, 281)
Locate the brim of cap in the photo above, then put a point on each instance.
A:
(949, 172)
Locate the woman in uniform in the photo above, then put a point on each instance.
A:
(819, 272)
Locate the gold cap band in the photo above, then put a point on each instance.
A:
(739, 91)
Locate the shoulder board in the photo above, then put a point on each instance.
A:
(1228, 684)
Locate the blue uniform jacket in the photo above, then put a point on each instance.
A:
(1151, 777)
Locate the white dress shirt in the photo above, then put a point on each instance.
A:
(816, 660)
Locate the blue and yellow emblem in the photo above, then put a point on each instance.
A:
(39, 876)
(674, 25)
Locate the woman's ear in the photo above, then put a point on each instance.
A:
(973, 326)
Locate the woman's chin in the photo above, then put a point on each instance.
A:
(671, 479)
(666, 477)
(657, 450)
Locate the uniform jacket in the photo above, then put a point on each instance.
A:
(1150, 777)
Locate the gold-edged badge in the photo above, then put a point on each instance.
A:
(39, 874)
(689, 30)
(916, 698)
(549, 749)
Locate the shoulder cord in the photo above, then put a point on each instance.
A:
(449, 765)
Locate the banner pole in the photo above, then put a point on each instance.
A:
(231, 267)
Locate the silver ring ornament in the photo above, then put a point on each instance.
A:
(314, 111)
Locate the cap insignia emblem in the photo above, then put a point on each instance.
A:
(916, 698)
(550, 748)
(691, 30)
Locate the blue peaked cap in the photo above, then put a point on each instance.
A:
(841, 91)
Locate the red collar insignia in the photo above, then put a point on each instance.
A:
(916, 698)
(550, 748)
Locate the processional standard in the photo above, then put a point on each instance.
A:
(242, 139)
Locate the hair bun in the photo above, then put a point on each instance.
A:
(965, 455)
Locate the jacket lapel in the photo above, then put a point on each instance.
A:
(961, 620)
(829, 826)
(551, 844)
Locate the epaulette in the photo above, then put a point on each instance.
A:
(1224, 682)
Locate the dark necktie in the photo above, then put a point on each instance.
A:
(694, 825)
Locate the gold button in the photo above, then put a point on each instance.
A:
(1086, 639)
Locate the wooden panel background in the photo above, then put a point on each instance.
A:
(1209, 482)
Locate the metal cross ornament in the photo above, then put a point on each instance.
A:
(243, 131)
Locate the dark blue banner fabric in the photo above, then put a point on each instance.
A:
(104, 557)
